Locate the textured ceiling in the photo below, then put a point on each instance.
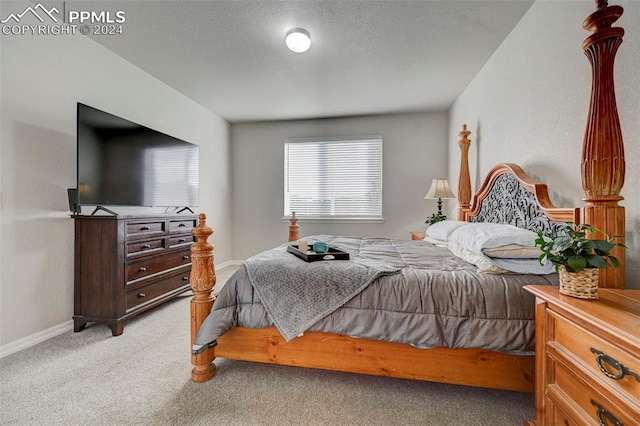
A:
(367, 57)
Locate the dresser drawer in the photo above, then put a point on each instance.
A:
(181, 240)
(182, 225)
(585, 404)
(149, 292)
(560, 416)
(599, 354)
(142, 229)
(145, 268)
(145, 246)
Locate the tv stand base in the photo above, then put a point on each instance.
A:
(103, 209)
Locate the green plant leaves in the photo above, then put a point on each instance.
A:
(434, 218)
(576, 263)
(576, 251)
(596, 261)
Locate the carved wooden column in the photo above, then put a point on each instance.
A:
(603, 164)
(464, 179)
(293, 228)
(203, 279)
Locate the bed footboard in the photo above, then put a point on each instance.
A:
(203, 279)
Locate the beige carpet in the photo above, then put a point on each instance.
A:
(143, 378)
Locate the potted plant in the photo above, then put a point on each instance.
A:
(434, 218)
(578, 258)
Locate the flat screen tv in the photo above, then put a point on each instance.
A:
(122, 163)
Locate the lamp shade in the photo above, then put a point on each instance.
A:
(439, 189)
(298, 40)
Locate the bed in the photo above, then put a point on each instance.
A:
(462, 353)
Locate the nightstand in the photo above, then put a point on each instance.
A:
(587, 358)
(417, 235)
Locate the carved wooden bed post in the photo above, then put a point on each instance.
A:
(464, 179)
(293, 228)
(203, 279)
(603, 164)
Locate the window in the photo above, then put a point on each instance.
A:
(337, 178)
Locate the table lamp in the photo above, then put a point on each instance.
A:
(439, 189)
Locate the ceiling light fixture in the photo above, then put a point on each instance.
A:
(298, 40)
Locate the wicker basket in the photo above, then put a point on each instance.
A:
(583, 284)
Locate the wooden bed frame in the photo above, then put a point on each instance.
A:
(602, 179)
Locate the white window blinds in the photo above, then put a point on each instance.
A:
(339, 178)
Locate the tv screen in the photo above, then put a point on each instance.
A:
(123, 163)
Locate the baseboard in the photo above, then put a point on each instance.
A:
(229, 263)
(34, 339)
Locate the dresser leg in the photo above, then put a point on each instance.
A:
(117, 329)
(79, 325)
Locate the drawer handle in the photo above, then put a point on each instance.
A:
(141, 295)
(617, 365)
(145, 228)
(181, 240)
(146, 246)
(143, 269)
(185, 257)
(185, 278)
(182, 225)
(603, 413)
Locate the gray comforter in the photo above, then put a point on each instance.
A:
(436, 300)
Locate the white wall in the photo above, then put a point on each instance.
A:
(42, 79)
(415, 151)
(529, 105)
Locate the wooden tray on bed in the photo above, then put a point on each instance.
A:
(311, 256)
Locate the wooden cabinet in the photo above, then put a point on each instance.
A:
(125, 265)
(587, 358)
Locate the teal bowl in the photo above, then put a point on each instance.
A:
(320, 247)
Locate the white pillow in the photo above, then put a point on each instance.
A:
(484, 265)
(441, 230)
(513, 251)
(524, 266)
(500, 266)
(435, 241)
(478, 236)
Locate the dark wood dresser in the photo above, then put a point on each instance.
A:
(125, 265)
(587, 358)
